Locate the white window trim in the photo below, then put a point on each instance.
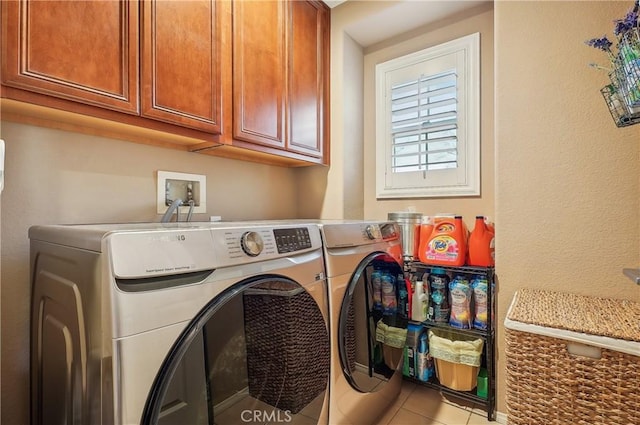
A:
(468, 132)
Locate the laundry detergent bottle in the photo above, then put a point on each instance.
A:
(426, 229)
(447, 244)
(481, 244)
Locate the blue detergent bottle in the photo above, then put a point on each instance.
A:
(424, 364)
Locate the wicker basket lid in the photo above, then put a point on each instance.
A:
(619, 319)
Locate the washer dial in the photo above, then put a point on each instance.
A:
(373, 232)
(251, 243)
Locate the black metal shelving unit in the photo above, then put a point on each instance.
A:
(487, 335)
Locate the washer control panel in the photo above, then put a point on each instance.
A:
(292, 239)
(252, 243)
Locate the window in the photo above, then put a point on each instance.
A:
(427, 115)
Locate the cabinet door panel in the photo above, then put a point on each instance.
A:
(259, 71)
(76, 50)
(306, 78)
(181, 57)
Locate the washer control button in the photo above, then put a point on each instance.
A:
(373, 232)
(252, 243)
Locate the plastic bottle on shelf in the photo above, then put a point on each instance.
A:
(409, 288)
(389, 301)
(447, 244)
(481, 244)
(480, 288)
(490, 224)
(460, 294)
(424, 367)
(426, 228)
(403, 297)
(376, 283)
(438, 296)
(420, 303)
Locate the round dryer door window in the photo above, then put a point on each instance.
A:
(257, 353)
(373, 323)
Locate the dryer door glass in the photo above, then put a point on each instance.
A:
(257, 353)
(373, 323)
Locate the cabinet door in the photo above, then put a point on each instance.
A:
(308, 77)
(84, 51)
(259, 71)
(181, 62)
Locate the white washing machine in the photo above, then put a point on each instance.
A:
(368, 326)
(182, 323)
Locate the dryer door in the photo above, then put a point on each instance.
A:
(373, 323)
(258, 352)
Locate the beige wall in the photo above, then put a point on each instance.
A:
(567, 194)
(59, 177)
(337, 192)
(479, 20)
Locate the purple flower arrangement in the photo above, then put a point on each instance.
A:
(628, 26)
(603, 43)
(623, 94)
(628, 23)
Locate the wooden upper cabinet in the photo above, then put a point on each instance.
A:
(280, 75)
(251, 74)
(84, 51)
(181, 59)
(308, 77)
(259, 71)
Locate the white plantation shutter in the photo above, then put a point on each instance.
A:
(427, 122)
(424, 122)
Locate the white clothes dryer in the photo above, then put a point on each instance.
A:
(181, 323)
(368, 326)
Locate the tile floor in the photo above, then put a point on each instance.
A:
(419, 405)
(416, 405)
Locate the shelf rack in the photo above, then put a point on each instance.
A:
(413, 268)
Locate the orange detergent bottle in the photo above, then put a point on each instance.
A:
(447, 244)
(426, 228)
(481, 244)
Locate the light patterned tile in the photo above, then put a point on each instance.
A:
(429, 403)
(405, 392)
(458, 402)
(405, 417)
(479, 409)
(479, 420)
(426, 392)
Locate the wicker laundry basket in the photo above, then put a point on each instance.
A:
(572, 360)
(287, 340)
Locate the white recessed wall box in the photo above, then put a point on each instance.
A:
(183, 186)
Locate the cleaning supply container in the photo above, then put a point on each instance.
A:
(439, 307)
(409, 223)
(481, 244)
(457, 358)
(572, 359)
(420, 302)
(426, 229)
(447, 245)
